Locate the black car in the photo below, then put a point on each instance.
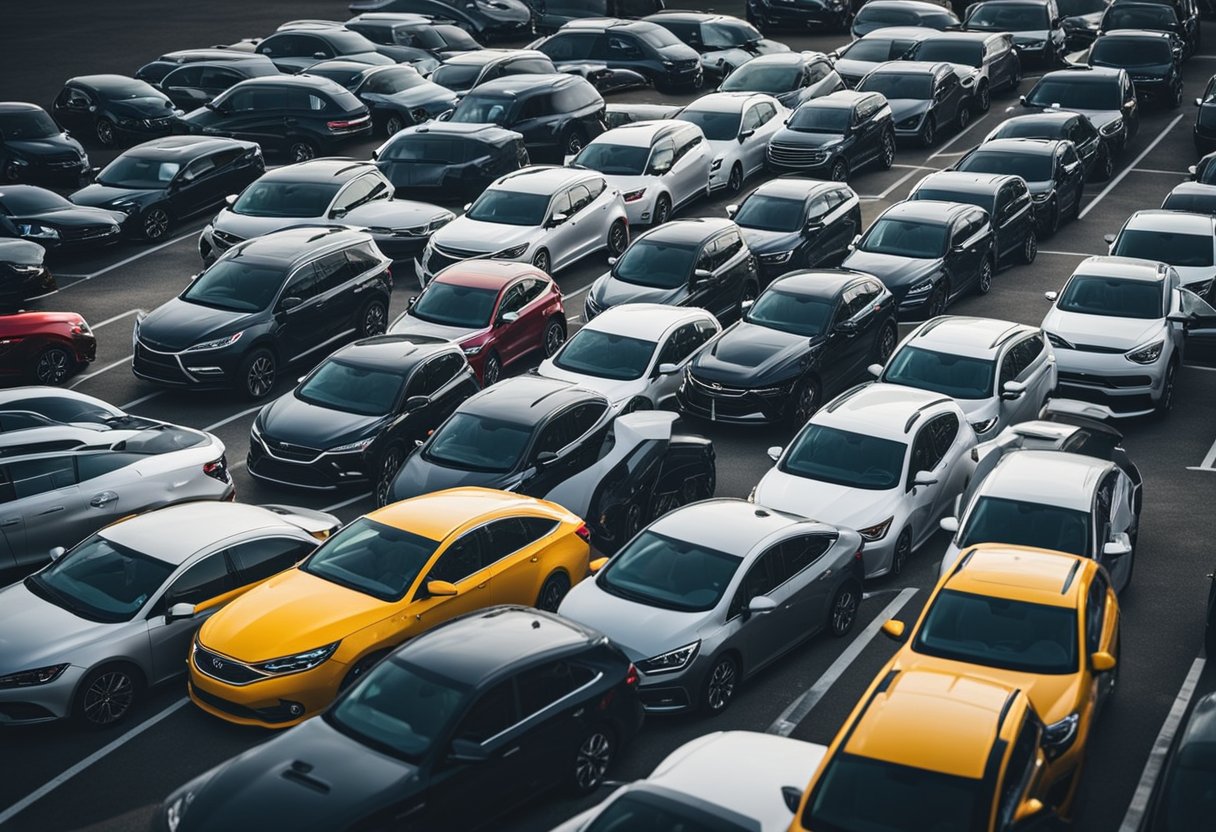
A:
(834, 136)
(1183, 798)
(633, 45)
(351, 420)
(791, 223)
(359, 50)
(1103, 94)
(1186, 12)
(23, 274)
(551, 15)
(114, 109)
(301, 116)
(461, 73)
(484, 19)
(35, 150)
(295, 49)
(196, 83)
(1204, 132)
(879, 14)
(31, 213)
(1192, 197)
(1204, 171)
(790, 77)
(985, 61)
(556, 114)
(1151, 16)
(158, 184)
(928, 253)
(452, 730)
(925, 98)
(435, 37)
(266, 303)
(154, 71)
(1151, 60)
(1094, 151)
(1082, 20)
(809, 14)
(725, 43)
(449, 162)
(1005, 197)
(701, 262)
(1036, 26)
(809, 335)
(1051, 168)
(396, 96)
(617, 115)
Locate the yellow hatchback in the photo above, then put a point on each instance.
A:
(283, 651)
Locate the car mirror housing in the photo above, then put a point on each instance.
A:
(699, 275)
(792, 795)
(731, 210)
(1028, 809)
(1109, 239)
(894, 629)
(847, 327)
(56, 553)
(668, 369)
(761, 604)
(924, 478)
(949, 524)
(289, 303)
(230, 200)
(545, 458)
(875, 370)
(508, 317)
(1178, 318)
(1117, 547)
(1052, 296)
(556, 220)
(1013, 390)
(415, 402)
(774, 453)
(179, 612)
(745, 135)
(468, 751)
(597, 564)
(441, 589)
(1102, 661)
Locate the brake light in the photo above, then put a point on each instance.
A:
(346, 124)
(631, 676)
(583, 532)
(217, 469)
(634, 196)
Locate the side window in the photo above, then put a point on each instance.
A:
(358, 192)
(751, 118)
(89, 466)
(538, 106)
(459, 560)
(197, 168)
(1095, 613)
(562, 204)
(492, 714)
(817, 72)
(705, 260)
(849, 304)
(580, 198)
(333, 270)
(595, 187)
(256, 560)
(800, 552)
(241, 101)
(533, 288)
(303, 284)
(201, 582)
(225, 158)
(1070, 155)
(541, 686)
(559, 433)
(218, 78)
(360, 260)
(819, 207)
(623, 48)
(767, 112)
(867, 293)
(445, 368)
(729, 245)
(949, 83)
(680, 345)
(187, 76)
(38, 476)
(960, 231)
(1005, 206)
(761, 579)
(570, 47)
(585, 417)
(661, 158)
(501, 538)
(422, 380)
(685, 141)
(512, 300)
(1021, 759)
(925, 454)
(945, 430)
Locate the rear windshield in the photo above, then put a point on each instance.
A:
(814, 119)
(34, 124)
(1033, 167)
(438, 150)
(1127, 52)
(286, 199)
(456, 76)
(896, 85)
(1185, 250)
(968, 53)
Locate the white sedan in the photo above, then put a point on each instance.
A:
(738, 127)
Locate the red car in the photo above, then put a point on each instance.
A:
(498, 311)
(44, 347)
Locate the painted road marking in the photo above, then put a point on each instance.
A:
(1110, 186)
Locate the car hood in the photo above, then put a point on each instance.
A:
(405, 174)
(805, 138)
(764, 242)
(747, 354)
(641, 630)
(311, 778)
(103, 196)
(902, 108)
(894, 271)
(423, 94)
(609, 291)
(297, 422)
(854, 69)
(247, 227)
(506, 11)
(36, 633)
(421, 476)
(409, 325)
(392, 213)
(473, 235)
(178, 324)
(83, 216)
(1100, 118)
(854, 508)
(1101, 330)
(143, 107)
(34, 148)
(21, 252)
(614, 390)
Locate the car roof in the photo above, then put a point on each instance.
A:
(19, 107)
(726, 102)
(912, 67)
(527, 399)
(299, 243)
(353, 67)
(913, 5)
(1021, 573)
(929, 210)
(483, 132)
(542, 179)
(184, 147)
(439, 514)
(726, 524)
(319, 170)
(641, 133)
(782, 58)
(1083, 74)
(694, 230)
(965, 181)
(794, 187)
(174, 533)
(971, 37)
(104, 80)
(1049, 115)
(606, 23)
(1125, 268)
(1030, 147)
(481, 57)
(1055, 478)
(392, 352)
(304, 80)
(211, 54)
(1184, 222)
(964, 335)
(394, 17)
(1137, 34)
(1195, 189)
(517, 84)
(897, 32)
(646, 321)
(839, 99)
(822, 283)
(486, 274)
(888, 411)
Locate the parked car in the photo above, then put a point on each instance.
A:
(350, 420)
(551, 15)
(62, 405)
(737, 128)
(1052, 170)
(809, 335)
(159, 184)
(853, 61)
(325, 116)
(440, 39)
(1036, 26)
(986, 62)
(197, 83)
(634, 354)
(1103, 94)
(264, 304)
(298, 45)
(1183, 240)
(884, 459)
(725, 43)
(775, 14)
(113, 109)
(485, 21)
(687, 598)
(44, 347)
(928, 253)
(1180, 799)
(396, 96)
(789, 77)
(1204, 171)
(1006, 198)
(1192, 198)
(1092, 148)
(618, 115)
(1152, 16)
(23, 273)
(657, 166)
(36, 150)
(1151, 60)
(835, 135)
(524, 679)
(28, 212)
(924, 98)
(449, 162)
(89, 633)
(1082, 20)
(1204, 132)
(645, 48)
(790, 223)
(701, 262)
(497, 312)
(878, 14)
(154, 71)
(464, 72)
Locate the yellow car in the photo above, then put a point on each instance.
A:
(932, 752)
(1041, 621)
(283, 651)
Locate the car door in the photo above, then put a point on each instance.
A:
(811, 583)
(336, 298)
(574, 237)
(861, 140)
(184, 86)
(514, 335)
(217, 79)
(517, 564)
(866, 320)
(824, 238)
(624, 51)
(195, 186)
(760, 636)
(446, 380)
(573, 437)
(554, 718)
(968, 247)
(953, 98)
(1012, 364)
(72, 111)
(255, 114)
(46, 508)
(689, 175)
(753, 139)
(462, 563)
(928, 454)
(838, 364)
(1086, 140)
(677, 349)
(1036, 374)
(302, 322)
(730, 269)
(204, 584)
(1071, 175)
(1200, 345)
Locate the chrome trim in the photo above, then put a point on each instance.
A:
(194, 662)
(177, 356)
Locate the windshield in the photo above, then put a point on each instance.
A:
(1021, 523)
(458, 77)
(723, 35)
(1070, 94)
(943, 195)
(125, 89)
(1031, 127)
(450, 304)
(1160, 18)
(101, 581)
(32, 124)
(655, 264)
(605, 355)
(957, 376)
(967, 53)
(842, 457)
(770, 213)
(510, 208)
(396, 79)
(895, 85)
(876, 49)
(236, 284)
(640, 810)
(905, 238)
(609, 159)
(350, 388)
(1188, 800)
(453, 37)
(660, 571)
(1091, 295)
(1184, 250)
(31, 200)
(1195, 203)
(130, 171)
(1033, 167)
(477, 108)
(478, 443)
(1070, 8)
(372, 558)
(793, 312)
(423, 37)
(1003, 18)
(816, 119)
(753, 77)
(1129, 52)
(717, 126)
(657, 36)
(999, 632)
(286, 199)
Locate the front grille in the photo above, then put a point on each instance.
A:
(59, 160)
(294, 473)
(224, 240)
(440, 258)
(157, 365)
(223, 668)
(159, 123)
(282, 713)
(1110, 382)
(1119, 404)
(795, 155)
(76, 235)
(713, 388)
(291, 453)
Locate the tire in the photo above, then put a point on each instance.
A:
(1053, 222)
(964, 117)
(574, 142)
(718, 689)
(1105, 168)
(842, 615)
(155, 224)
(928, 132)
(106, 696)
(373, 319)
(492, 370)
(591, 759)
(903, 550)
(257, 374)
(662, 210)
(12, 173)
(301, 150)
(805, 401)
(1166, 403)
(839, 171)
(631, 521)
(1030, 247)
(983, 97)
(555, 336)
(1175, 99)
(884, 346)
(1017, 77)
(53, 366)
(360, 669)
(106, 135)
(618, 238)
(393, 125)
(939, 301)
(735, 183)
(886, 156)
(541, 260)
(983, 285)
(387, 466)
(552, 592)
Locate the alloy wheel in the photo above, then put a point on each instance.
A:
(108, 698)
(735, 183)
(12, 173)
(964, 117)
(105, 132)
(260, 378)
(720, 687)
(552, 593)
(54, 365)
(618, 239)
(985, 98)
(928, 133)
(156, 223)
(301, 151)
(888, 150)
(555, 336)
(389, 465)
(808, 401)
(844, 610)
(886, 344)
(1030, 247)
(375, 319)
(591, 762)
(393, 126)
(491, 372)
(574, 143)
(541, 261)
(840, 171)
(903, 548)
(662, 210)
(984, 285)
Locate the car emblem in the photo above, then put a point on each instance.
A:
(217, 664)
(715, 385)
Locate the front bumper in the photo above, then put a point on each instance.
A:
(270, 702)
(311, 468)
(205, 369)
(19, 287)
(810, 160)
(59, 169)
(400, 246)
(1127, 388)
(41, 703)
(722, 403)
(641, 211)
(674, 692)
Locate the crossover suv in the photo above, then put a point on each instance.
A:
(835, 135)
(299, 44)
(1149, 57)
(853, 61)
(985, 61)
(551, 15)
(197, 83)
(484, 20)
(1104, 94)
(154, 71)
(1035, 26)
(462, 73)
(44, 347)
(396, 96)
(1204, 132)
(789, 77)
(879, 14)
(419, 31)
(725, 43)
(1184, 240)
(36, 150)
(41, 216)
(638, 46)
(1004, 196)
(1093, 149)
(1051, 168)
(737, 128)
(926, 99)
(776, 14)
(114, 110)
(264, 304)
(449, 162)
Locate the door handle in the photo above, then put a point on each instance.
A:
(50, 510)
(827, 573)
(481, 586)
(533, 559)
(10, 521)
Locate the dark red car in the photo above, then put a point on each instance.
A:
(44, 347)
(498, 311)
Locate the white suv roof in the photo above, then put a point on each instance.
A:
(646, 321)
(542, 179)
(727, 102)
(1127, 268)
(1054, 478)
(1177, 222)
(961, 335)
(640, 133)
(887, 411)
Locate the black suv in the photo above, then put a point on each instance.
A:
(1005, 197)
(782, 14)
(833, 136)
(1184, 23)
(461, 73)
(266, 303)
(449, 162)
(925, 98)
(34, 149)
(197, 83)
(486, 19)
(1036, 26)
(645, 48)
(1103, 94)
(1152, 59)
(1061, 124)
(556, 114)
(154, 71)
(396, 96)
(725, 43)
(299, 45)
(551, 15)
(114, 109)
(1052, 171)
(299, 115)
(435, 37)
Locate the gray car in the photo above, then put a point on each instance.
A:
(84, 636)
(710, 593)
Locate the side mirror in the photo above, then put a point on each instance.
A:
(467, 206)
(1028, 809)
(337, 213)
(1193, 170)
(774, 453)
(467, 751)
(597, 564)
(761, 604)
(1118, 547)
(1109, 239)
(289, 303)
(410, 303)
(415, 402)
(1178, 318)
(894, 629)
(668, 369)
(441, 589)
(230, 199)
(57, 552)
(612, 261)
(508, 317)
(545, 458)
(1102, 661)
(1022, 101)
(792, 795)
(847, 327)
(319, 55)
(1198, 102)
(853, 244)
(949, 524)
(924, 478)
(699, 275)
(745, 135)
(179, 612)
(731, 210)
(1013, 390)
(814, 223)
(874, 370)
(1052, 296)
(557, 219)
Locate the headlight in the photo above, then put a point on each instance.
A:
(668, 63)
(922, 287)
(677, 659)
(217, 344)
(1058, 736)
(909, 123)
(1057, 341)
(1112, 128)
(30, 678)
(124, 205)
(509, 253)
(1146, 354)
(984, 426)
(777, 257)
(300, 661)
(352, 447)
(716, 163)
(633, 196)
(877, 531)
(36, 231)
(440, 221)
(472, 350)
(129, 122)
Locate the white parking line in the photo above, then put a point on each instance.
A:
(1164, 172)
(942, 150)
(346, 503)
(141, 400)
(901, 180)
(1209, 461)
(82, 379)
(128, 313)
(1066, 253)
(1112, 184)
(797, 711)
(130, 259)
(1156, 758)
(234, 417)
(54, 783)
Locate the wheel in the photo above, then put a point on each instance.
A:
(552, 592)
(630, 522)
(843, 612)
(719, 687)
(885, 345)
(928, 132)
(964, 117)
(983, 97)
(984, 284)
(373, 320)
(1053, 218)
(806, 401)
(541, 260)
(939, 300)
(386, 469)
(393, 125)
(106, 696)
(53, 366)
(257, 374)
(735, 183)
(360, 669)
(1105, 167)
(1016, 78)
(886, 156)
(555, 336)
(903, 548)
(1030, 247)
(574, 142)
(156, 223)
(1166, 403)
(301, 150)
(662, 209)
(618, 238)
(104, 129)
(1175, 99)
(637, 403)
(840, 171)
(492, 371)
(12, 172)
(592, 757)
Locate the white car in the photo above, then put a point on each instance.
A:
(635, 353)
(658, 166)
(738, 127)
(547, 216)
(701, 786)
(999, 372)
(1184, 240)
(883, 459)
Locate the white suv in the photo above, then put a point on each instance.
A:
(1184, 240)
(738, 127)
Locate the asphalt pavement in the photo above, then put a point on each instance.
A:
(60, 779)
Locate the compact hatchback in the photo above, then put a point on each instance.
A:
(114, 109)
(45, 347)
(640, 46)
(449, 162)
(737, 128)
(1151, 58)
(789, 77)
(1035, 26)
(1184, 240)
(1104, 94)
(1095, 151)
(36, 150)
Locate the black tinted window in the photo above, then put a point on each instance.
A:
(37, 476)
(257, 560)
(493, 713)
(461, 559)
(201, 582)
(541, 686)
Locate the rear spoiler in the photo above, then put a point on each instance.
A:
(316, 523)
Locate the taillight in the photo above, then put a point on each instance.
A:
(583, 532)
(631, 675)
(634, 196)
(345, 124)
(217, 469)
